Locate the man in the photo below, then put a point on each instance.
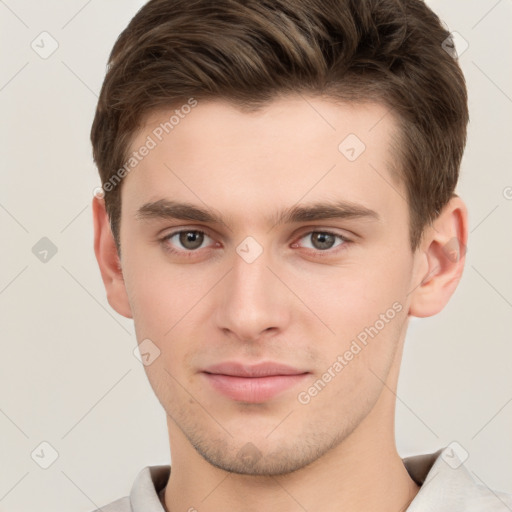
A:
(277, 200)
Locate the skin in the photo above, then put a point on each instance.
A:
(298, 303)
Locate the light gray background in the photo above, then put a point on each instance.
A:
(68, 375)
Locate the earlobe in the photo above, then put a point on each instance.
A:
(108, 260)
(444, 250)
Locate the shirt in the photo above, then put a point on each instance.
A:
(445, 486)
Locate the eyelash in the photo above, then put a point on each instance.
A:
(318, 253)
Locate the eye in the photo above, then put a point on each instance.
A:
(323, 240)
(188, 239)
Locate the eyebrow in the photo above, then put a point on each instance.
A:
(165, 209)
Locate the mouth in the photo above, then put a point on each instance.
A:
(252, 383)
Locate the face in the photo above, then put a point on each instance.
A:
(267, 237)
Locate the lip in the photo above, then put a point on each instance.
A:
(252, 383)
(264, 369)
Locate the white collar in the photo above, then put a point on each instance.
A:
(446, 486)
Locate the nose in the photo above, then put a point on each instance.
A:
(252, 300)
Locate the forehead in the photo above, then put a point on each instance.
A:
(294, 149)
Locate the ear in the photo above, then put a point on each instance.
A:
(108, 259)
(441, 260)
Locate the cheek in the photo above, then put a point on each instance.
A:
(362, 303)
(163, 300)
(352, 295)
(160, 294)
(150, 307)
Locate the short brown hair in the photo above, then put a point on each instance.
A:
(251, 51)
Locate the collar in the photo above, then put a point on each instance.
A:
(445, 486)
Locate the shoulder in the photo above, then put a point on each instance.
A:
(120, 505)
(481, 497)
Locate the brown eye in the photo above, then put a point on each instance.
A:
(186, 240)
(322, 240)
(191, 239)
